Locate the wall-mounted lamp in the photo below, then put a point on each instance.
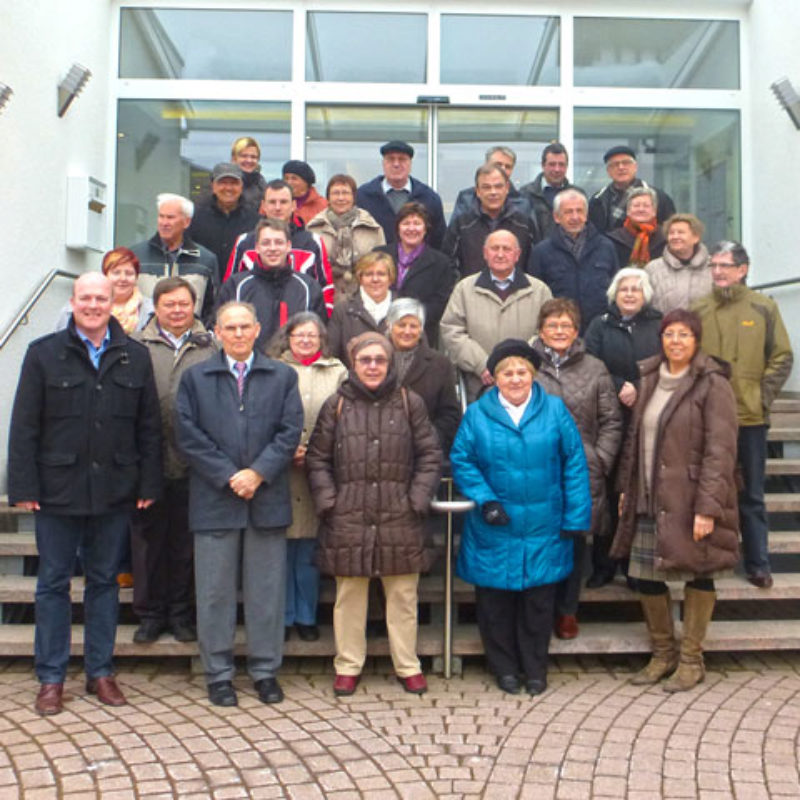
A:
(71, 87)
(787, 97)
(5, 95)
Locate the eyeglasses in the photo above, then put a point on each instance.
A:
(378, 361)
(304, 336)
(718, 265)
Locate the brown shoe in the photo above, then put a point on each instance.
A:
(49, 701)
(566, 626)
(106, 690)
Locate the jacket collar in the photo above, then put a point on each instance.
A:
(485, 281)
(489, 403)
(219, 363)
(199, 335)
(187, 247)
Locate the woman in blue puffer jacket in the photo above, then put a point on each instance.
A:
(518, 456)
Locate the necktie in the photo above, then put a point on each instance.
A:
(240, 368)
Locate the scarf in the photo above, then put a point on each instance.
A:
(402, 362)
(307, 362)
(377, 311)
(342, 251)
(640, 254)
(127, 313)
(405, 260)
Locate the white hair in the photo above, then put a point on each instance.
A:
(187, 206)
(631, 272)
(566, 194)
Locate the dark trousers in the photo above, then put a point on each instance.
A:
(752, 510)
(568, 591)
(515, 628)
(163, 550)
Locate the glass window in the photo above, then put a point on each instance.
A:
(172, 145)
(528, 57)
(366, 48)
(657, 53)
(205, 44)
(693, 155)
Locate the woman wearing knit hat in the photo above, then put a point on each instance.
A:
(300, 176)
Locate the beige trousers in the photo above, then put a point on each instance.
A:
(350, 622)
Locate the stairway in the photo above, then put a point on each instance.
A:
(746, 618)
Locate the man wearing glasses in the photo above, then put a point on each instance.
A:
(744, 327)
(607, 208)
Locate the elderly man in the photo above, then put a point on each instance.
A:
(238, 424)
(160, 539)
(744, 327)
(607, 208)
(575, 260)
(683, 272)
(84, 451)
(171, 252)
(274, 288)
(385, 195)
(219, 218)
(467, 233)
(542, 190)
(500, 302)
(505, 158)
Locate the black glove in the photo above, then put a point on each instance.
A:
(493, 513)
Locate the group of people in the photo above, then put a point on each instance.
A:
(266, 390)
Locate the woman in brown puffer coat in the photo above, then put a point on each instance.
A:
(678, 512)
(373, 465)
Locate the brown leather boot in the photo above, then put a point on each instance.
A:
(50, 700)
(698, 609)
(657, 610)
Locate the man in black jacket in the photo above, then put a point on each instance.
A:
(542, 190)
(84, 451)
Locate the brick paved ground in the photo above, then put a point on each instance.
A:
(592, 735)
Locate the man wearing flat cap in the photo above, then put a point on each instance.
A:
(386, 194)
(607, 208)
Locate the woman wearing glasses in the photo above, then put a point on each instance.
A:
(678, 510)
(373, 465)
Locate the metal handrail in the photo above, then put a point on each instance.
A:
(21, 316)
(774, 284)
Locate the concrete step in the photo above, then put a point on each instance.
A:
(784, 434)
(783, 466)
(783, 502)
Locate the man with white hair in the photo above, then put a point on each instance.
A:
(171, 253)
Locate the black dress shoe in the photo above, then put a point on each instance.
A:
(269, 690)
(535, 686)
(222, 693)
(184, 631)
(308, 633)
(763, 580)
(287, 633)
(508, 683)
(598, 579)
(149, 630)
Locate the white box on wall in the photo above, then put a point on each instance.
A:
(86, 213)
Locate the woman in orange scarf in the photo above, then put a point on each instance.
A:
(639, 240)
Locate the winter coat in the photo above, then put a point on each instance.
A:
(316, 383)
(585, 279)
(745, 328)
(430, 279)
(85, 441)
(583, 383)
(194, 263)
(350, 319)
(620, 344)
(371, 197)
(433, 378)
(537, 471)
(623, 242)
(542, 203)
(168, 366)
(373, 466)
(366, 236)
(476, 319)
(605, 215)
(314, 205)
(218, 433)
(255, 185)
(467, 233)
(277, 294)
(678, 285)
(694, 459)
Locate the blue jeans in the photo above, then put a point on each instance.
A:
(752, 511)
(302, 582)
(101, 539)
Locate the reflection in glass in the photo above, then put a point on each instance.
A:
(528, 55)
(694, 155)
(657, 53)
(172, 145)
(205, 44)
(366, 48)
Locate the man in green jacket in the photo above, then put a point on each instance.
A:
(745, 328)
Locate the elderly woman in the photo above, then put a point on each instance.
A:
(518, 456)
(423, 272)
(308, 201)
(626, 334)
(367, 308)
(246, 153)
(302, 344)
(683, 273)
(348, 232)
(583, 383)
(639, 240)
(423, 370)
(678, 511)
(373, 466)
